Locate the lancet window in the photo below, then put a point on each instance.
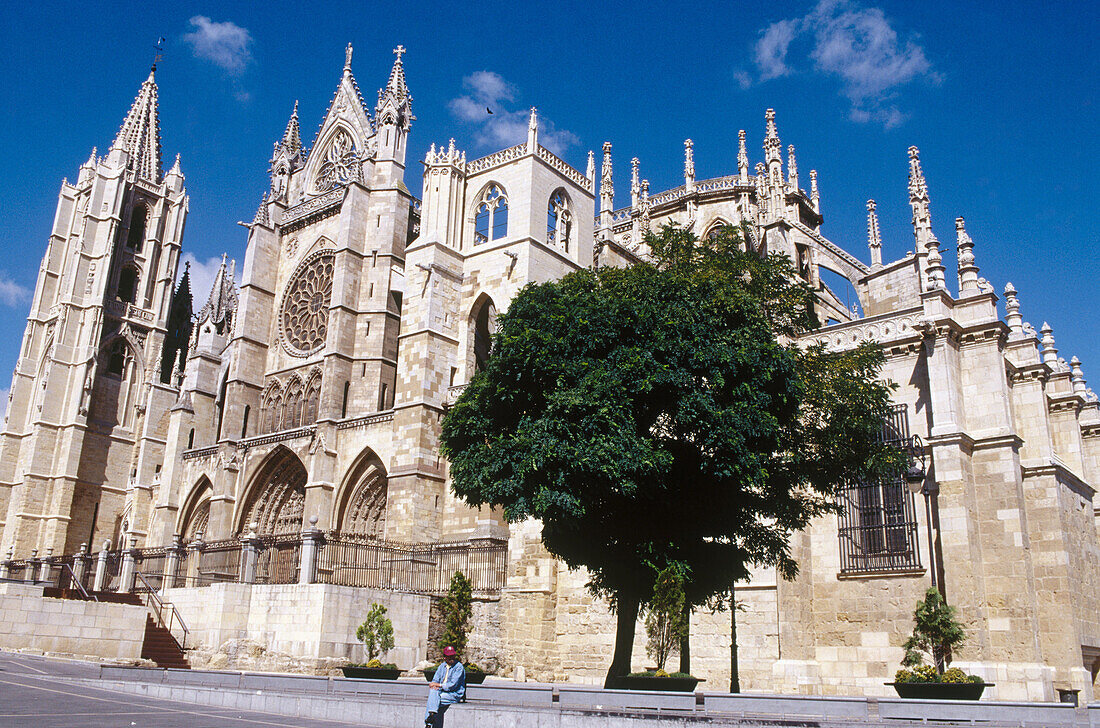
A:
(491, 215)
(878, 522)
(559, 220)
(127, 284)
(136, 235)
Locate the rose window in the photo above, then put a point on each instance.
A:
(339, 164)
(305, 308)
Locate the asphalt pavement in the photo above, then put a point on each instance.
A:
(37, 692)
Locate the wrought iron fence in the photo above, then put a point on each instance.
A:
(150, 563)
(878, 521)
(277, 559)
(114, 570)
(361, 561)
(216, 561)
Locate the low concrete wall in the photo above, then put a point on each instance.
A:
(29, 620)
(508, 705)
(303, 620)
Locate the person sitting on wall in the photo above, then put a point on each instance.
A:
(448, 687)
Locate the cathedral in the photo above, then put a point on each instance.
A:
(271, 463)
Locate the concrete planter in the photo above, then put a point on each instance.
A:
(669, 684)
(371, 673)
(472, 678)
(940, 691)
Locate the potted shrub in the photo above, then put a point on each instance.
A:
(457, 609)
(936, 633)
(376, 634)
(665, 626)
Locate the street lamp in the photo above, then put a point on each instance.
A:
(916, 478)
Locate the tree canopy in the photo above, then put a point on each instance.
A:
(662, 415)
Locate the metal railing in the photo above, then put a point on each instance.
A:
(877, 523)
(362, 561)
(278, 559)
(167, 615)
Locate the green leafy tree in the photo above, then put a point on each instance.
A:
(457, 609)
(665, 624)
(936, 632)
(376, 632)
(661, 415)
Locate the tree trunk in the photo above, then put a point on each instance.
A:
(735, 680)
(685, 641)
(626, 613)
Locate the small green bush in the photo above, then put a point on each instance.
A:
(376, 632)
(659, 673)
(928, 674)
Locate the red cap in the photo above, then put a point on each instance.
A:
(449, 651)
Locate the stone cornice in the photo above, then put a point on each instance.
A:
(1037, 372)
(1060, 471)
(1091, 429)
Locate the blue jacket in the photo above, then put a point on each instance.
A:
(451, 681)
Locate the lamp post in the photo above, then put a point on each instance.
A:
(916, 478)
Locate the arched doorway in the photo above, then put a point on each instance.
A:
(277, 497)
(362, 509)
(196, 512)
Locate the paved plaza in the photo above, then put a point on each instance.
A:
(42, 693)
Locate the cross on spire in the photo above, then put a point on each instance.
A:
(399, 50)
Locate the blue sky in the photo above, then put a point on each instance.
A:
(1002, 102)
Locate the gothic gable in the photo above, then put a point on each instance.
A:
(344, 141)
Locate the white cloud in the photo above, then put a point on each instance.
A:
(11, 293)
(227, 44)
(855, 44)
(202, 277)
(487, 90)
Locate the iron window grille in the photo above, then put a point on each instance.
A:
(878, 521)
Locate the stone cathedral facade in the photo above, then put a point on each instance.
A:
(305, 396)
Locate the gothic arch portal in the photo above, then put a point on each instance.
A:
(276, 496)
(195, 514)
(361, 508)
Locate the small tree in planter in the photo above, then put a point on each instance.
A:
(376, 634)
(936, 633)
(457, 609)
(665, 625)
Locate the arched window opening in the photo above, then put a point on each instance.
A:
(344, 405)
(559, 220)
(244, 422)
(191, 438)
(292, 405)
(491, 215)
(841, 288)
(136, 236)
(219, 408)
(116, 362)
(127, 284)
(484, 320)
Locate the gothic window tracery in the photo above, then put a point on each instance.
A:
(311, 399)
(340, 163)
(305, 306)
(559, 220)
(491, 215)
(292, 405)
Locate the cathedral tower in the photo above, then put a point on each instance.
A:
(82, 446)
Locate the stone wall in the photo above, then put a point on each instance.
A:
(304, 621)
(68, 626)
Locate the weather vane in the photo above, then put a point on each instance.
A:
(159, 52)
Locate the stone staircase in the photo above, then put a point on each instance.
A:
(158, 644)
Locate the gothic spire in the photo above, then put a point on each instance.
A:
(607, 192)
(922, 222)
(689, 165)
(221, 307)
(1049, 353)
(635, 186)
(968, 271)
(292, 137)
(874, 237)
(1013, 318)
(139, 135)
(773, 148)
(742, 158)
(792, 169)
(395, 97)
(590, 170)
(533, 131)
(815, 195)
